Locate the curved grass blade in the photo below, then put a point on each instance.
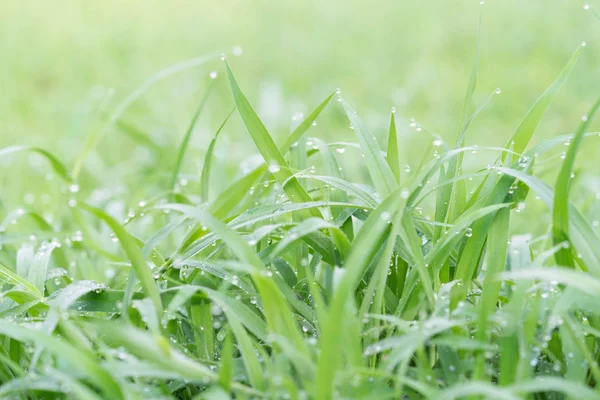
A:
(205, 175)
(532, 120)
(364, 245)
(381, 174)
(304, 125)
(560, 210)
(188, 135)
(80, 361)
(58, 167)
(138, 262)
(582, 235)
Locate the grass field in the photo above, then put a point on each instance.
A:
(309, 200)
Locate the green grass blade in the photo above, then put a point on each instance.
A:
(528, 126)
(188, 135)
(138, 262)
(80, 361)
(59, 168)
(205, 174)
(392, 157)
(304, 125)
(560, 210)
(381, 174)
(365, 244)
(19, 281)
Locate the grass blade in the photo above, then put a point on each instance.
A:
(560, 210)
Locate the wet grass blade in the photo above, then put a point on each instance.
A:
(560, 210)
(392, 157)
(528, 126)
(188, 135)
(205, 174)
(138, 262)
(380, 172)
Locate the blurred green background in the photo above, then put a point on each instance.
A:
(60, 59)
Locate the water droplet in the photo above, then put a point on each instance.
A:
(213, 74)
(340, 150)
(498, 90)
(393, 110)
(223, 57)
(237, 51)
(533, 362)
(586, 6)
(481, 2)
(274, 168)
(314, 123)
(74, 188)
(407, 168)
(437, 142)
(469, 232)
(72, 203)
(338, 91)
(404, 193)
(412, 123)
(523, 161)
(29, 198)
(386, 216)
(584, 118)
(583, 43)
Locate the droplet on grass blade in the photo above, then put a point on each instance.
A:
(274, 167)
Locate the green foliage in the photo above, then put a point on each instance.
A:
(313, 272)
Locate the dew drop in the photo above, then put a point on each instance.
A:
(523, 161)
(213, 74)
(237, 51)
(274, 168)
(498, 90)
(340, 150)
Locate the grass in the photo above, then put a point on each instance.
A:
(319, 270)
